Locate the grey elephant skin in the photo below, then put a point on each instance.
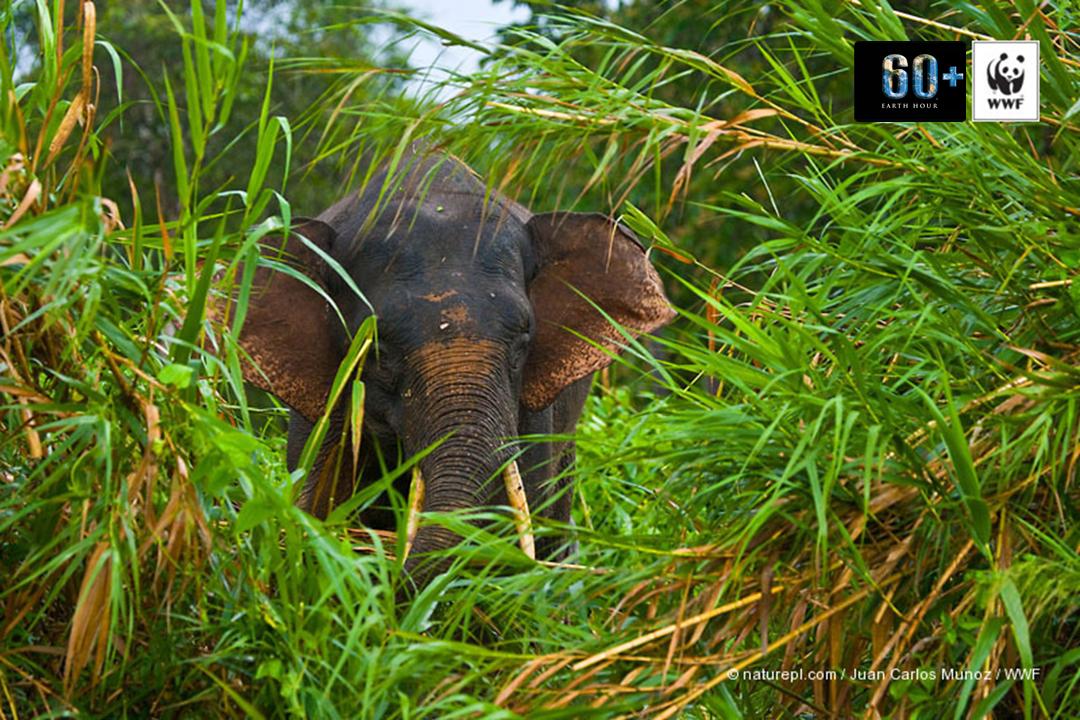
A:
(491, 321)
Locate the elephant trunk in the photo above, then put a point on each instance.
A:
(458, 399)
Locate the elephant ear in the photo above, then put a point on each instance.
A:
(589, 267)
(287, 332)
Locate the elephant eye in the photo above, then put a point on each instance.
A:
(520, 350)
(382, 368)
(380, 379)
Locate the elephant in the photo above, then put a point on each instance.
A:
(491, 321)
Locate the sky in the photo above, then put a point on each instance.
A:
(476, 20)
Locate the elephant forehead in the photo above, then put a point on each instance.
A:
(419, 316)
(438, 297)
(461, 232)
(445, 319)
(444, 262)
(455, 315)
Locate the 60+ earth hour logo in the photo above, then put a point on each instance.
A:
(924, 83)
(910, 81)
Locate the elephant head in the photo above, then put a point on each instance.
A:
(486, 314)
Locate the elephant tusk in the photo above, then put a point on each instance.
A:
(416, 504)
(515, 491)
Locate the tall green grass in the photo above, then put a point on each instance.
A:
(856, 448)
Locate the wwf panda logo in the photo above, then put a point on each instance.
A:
(1006, 76)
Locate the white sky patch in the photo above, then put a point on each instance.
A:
(475, 20)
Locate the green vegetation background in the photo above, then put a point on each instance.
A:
(856, 448)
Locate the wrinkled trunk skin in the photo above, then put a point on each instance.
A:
(458, 393)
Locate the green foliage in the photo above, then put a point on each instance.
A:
(855, 449)
(175, 49)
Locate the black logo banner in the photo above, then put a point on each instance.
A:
(902, 81)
